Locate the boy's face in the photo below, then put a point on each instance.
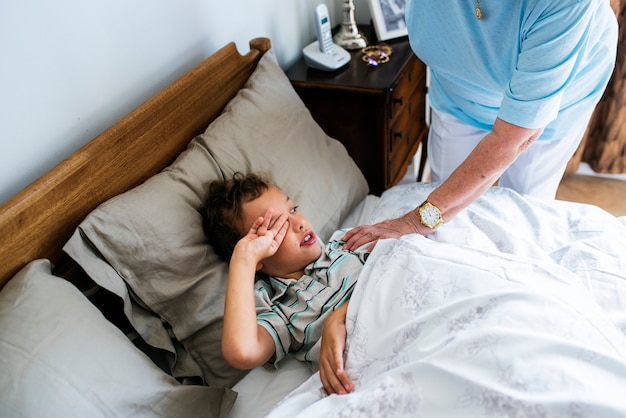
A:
(299, 247)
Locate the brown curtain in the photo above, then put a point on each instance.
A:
(604, 144)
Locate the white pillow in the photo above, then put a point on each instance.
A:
(61, 358)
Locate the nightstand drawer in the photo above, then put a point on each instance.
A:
(412, 78)
(404, 137)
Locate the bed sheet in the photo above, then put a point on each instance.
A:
(262, 389)
(517, 307)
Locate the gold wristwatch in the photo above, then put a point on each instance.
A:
(430, 215)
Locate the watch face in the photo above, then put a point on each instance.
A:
(430, 215)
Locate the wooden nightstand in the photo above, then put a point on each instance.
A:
(378, 113)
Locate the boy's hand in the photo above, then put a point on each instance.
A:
(332, 372)
(245, 343)
(263, 238)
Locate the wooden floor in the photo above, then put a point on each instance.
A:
(607, 193)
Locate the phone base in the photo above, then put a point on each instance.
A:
(315, 58)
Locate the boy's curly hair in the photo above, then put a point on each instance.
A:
(222, 209)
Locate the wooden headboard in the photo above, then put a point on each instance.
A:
(38, 221)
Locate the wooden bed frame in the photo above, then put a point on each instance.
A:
(38, 221)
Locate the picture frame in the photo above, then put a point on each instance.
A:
(388, 18)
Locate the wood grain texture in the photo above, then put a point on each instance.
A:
(604, 143)
(605, 150)
(38, 221)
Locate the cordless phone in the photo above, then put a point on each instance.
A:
(323, 54)
(323, 29)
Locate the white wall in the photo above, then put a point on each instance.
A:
(71, 68)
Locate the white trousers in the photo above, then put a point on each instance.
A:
(536, 172)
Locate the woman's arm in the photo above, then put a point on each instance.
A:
(332, 373)
(246, 344)
(480, 170)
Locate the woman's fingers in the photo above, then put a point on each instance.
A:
(391, 228)
(359, 236)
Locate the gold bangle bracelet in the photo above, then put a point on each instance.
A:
(376, 54)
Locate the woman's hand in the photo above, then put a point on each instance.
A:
(332, 373)
(391, 228)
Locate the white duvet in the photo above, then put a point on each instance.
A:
(515, 308)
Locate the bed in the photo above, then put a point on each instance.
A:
(112, 300)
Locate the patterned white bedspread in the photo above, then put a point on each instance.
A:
(515, 308)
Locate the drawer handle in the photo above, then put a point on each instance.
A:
(398, 100)
(394, 137)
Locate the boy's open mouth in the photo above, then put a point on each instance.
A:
(309, 239)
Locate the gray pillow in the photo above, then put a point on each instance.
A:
(62, 358)
(151, 237)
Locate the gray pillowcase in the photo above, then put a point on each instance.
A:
(151, 237)
(62, 358)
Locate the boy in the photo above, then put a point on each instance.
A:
(255, 226)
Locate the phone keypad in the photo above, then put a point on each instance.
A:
(327, 42)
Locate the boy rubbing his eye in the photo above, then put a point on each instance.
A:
(303, 289)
